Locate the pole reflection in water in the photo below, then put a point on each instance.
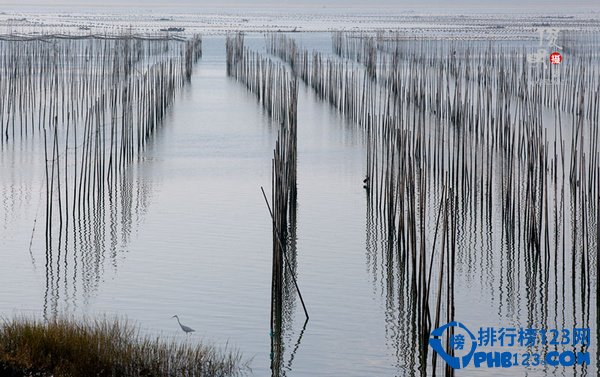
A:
(494, 197)
(283, 310)
(473, 181)
(96, 103)
(277, 92)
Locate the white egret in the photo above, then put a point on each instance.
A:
(185, 329)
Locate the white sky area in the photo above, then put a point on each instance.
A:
(438, 4)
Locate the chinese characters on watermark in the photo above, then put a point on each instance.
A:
(548, 41)
(512, 346)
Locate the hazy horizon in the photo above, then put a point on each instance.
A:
(318, 4)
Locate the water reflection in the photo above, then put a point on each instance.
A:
(84, 134)
(283, 309)
(77, 257)
(527, 253)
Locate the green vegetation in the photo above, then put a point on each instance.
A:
(66, 347)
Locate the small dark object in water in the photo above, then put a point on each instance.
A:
(175, 29)
(366, 180)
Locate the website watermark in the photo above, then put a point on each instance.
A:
(548, 51)
(502, 347)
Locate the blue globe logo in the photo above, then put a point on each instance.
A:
(462, 342)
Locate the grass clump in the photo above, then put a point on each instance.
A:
(67, 347)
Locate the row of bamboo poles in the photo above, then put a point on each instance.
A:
(361, 48)
(277, 92)
(94, 105)
(42, 74)
(468, 132)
